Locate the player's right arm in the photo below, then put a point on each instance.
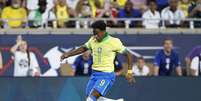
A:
(74, 52)
(80, 50)
(120, 48)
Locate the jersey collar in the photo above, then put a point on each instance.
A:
(105, 37)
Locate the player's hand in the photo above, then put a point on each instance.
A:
(130, 78)
(63, 56)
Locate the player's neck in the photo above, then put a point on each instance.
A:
(105, 37)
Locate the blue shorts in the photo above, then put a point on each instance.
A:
(100, 81)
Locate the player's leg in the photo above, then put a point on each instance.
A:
(93, 96)
(89, 89)
(103, 82)
(100, 88)
(103, 86)
(106, 85)
(90, 86)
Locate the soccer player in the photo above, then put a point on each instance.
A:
(167, 60)
(104, 49)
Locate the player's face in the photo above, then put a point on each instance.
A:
(23, 46)
(98, 34)
(168, 45)
(141, 63)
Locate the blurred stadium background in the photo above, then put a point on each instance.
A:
(52, 27)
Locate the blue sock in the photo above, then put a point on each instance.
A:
(93, 98)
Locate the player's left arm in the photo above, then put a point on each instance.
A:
(129, 58)
(120, 48)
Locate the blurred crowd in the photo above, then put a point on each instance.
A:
(58, 13)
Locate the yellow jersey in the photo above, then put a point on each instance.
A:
(12, 13)
(184, 8)
(104, 52)
(62, 15)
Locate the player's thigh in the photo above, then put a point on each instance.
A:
(103, 86)
(90, 86)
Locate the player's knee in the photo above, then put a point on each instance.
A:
(93, 96)
(95, 93)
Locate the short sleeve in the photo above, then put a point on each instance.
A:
(119, 47)
(157, 59)
(88, 43)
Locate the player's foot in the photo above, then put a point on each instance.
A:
(120, 99)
